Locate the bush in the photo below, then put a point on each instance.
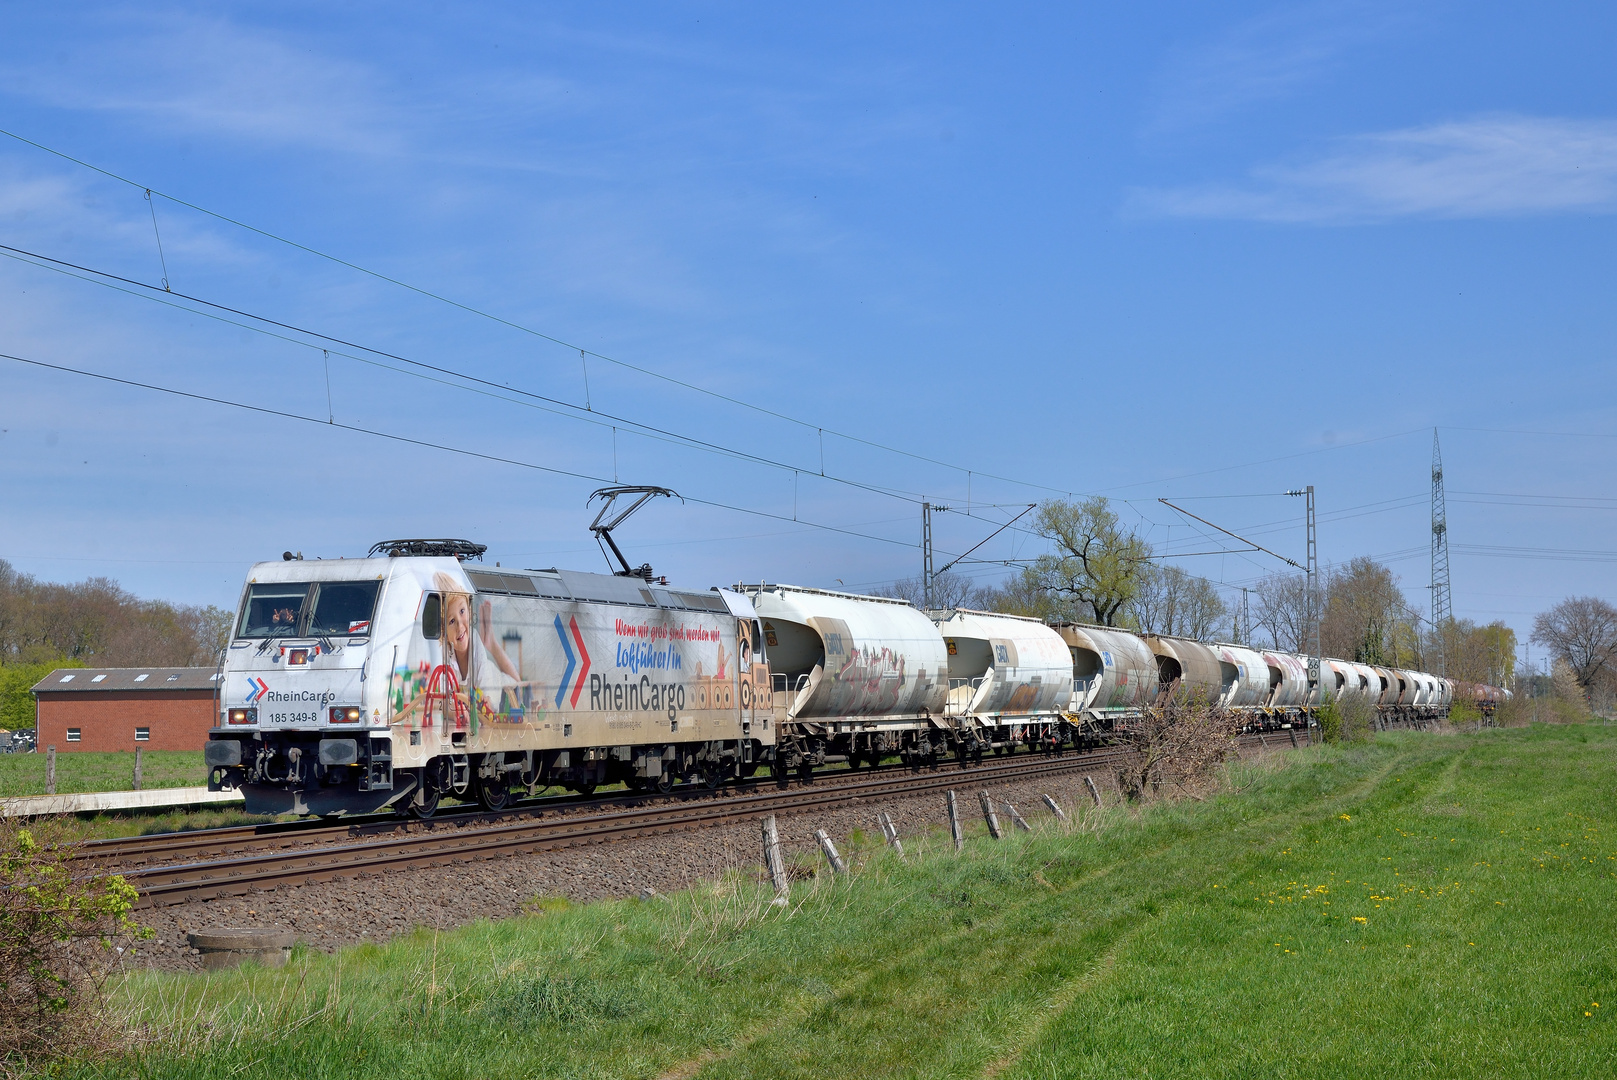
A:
(62, 933)
(16, 703)
(1464, 713)
(1347, 719)
(1179, 744)
(1329, 716)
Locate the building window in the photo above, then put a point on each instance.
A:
(99, 678)
(174, 677)
(143, 734)
(72, 734)
(143, 678)
(65, 678)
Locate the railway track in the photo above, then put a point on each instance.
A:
(164, 848)
(206, 869)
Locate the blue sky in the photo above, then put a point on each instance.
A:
(977, 255)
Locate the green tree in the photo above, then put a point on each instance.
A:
(1095, 570)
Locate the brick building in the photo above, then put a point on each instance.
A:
(122, 708)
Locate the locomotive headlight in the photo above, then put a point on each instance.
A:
(242, 716)
(346, 714)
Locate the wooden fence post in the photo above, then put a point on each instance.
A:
(954, 825)
(777, 869)
(1055, 807)
(50, 770)
(830, 850)
(1094, 792)
(138, 752)
(1021, 822)
(890, 831)
(989, 815)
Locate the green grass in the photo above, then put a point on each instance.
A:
(1195, 939)
(24, 774)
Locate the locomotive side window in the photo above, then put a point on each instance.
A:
(272, 610)
(431, 617)
(343, 607)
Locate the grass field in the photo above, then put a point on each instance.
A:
(24, 774)
(1433, 905)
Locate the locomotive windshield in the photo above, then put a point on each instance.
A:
(304, 609)
(343, 607)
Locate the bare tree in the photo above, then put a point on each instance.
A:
(1363, 609)
(1095, 569)
(98, 622)
(1023, 594)
(1580, 631)
(948, 591)
(1283, 610)
(1171, 601)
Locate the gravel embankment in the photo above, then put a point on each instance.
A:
(330, 915)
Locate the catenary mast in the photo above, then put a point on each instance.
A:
(1442, 613)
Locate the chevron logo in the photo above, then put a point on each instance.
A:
(572, 661)
(578, 687)
(256, 688)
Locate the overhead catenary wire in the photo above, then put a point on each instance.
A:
(429, 444)
(500, 390)
(502, 321)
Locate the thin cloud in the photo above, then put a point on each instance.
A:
(1263, 59)
(1486, 167)
(213, 76)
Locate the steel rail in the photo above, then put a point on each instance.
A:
(142, 850)
(162, 885)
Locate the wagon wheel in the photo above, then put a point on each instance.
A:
(711, 776)
(665, 783)
(585, 788)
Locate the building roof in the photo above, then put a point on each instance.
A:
(78, 680)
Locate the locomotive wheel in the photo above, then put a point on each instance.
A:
(711, 777)
(664, 783)
(493, 795)
(425, 804)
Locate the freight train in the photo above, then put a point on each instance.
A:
(395, 680)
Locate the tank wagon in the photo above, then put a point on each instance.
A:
(393, 680)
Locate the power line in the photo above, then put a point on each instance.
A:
(594, 416)
(469, 309)
(428, 444)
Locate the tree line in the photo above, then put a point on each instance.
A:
(92, 623)
(1100, 571)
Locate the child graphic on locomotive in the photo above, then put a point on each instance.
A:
(474, 670)
(460, 644)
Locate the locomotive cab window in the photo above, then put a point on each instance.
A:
(343, 607)
(432, 610)
(272, 610)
